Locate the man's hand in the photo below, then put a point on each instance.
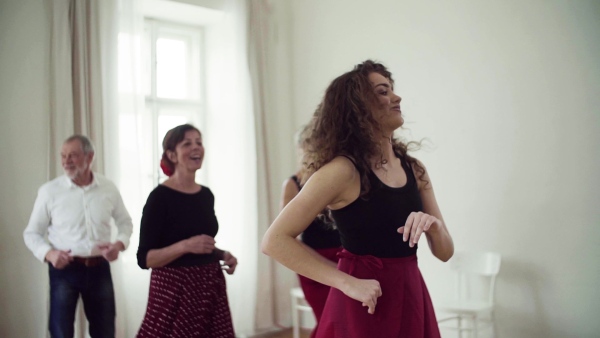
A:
(59, 258)
(110, 251)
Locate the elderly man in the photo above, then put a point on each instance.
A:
(75, 211)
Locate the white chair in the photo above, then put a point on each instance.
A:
(472, 270)
(298, 305)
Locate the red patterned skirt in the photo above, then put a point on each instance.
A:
(403, 311)
(187, 302)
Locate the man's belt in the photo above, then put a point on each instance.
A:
(89, 261)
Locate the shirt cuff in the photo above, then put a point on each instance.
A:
(41, 252)
(124, 239)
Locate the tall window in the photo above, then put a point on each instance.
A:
(173, 80)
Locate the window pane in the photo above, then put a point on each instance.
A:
(166, 123)
(147, 64)
(171, 63)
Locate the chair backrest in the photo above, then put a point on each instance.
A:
(473, 265)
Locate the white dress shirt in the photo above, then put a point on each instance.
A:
(76, 218)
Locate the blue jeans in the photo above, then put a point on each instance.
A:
(94, 284)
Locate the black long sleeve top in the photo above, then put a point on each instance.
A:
(170, 216)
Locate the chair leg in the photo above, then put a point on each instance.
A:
(459, 327)
(474, 330)
(295, 318)
(494, 335)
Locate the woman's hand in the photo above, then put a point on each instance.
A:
(365, 291)
(416, 224)
(200, 244)
(229, 262)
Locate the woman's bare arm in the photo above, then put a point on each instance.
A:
(336, 184)
(289, 191)
(431, 220)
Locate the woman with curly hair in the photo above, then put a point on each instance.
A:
(381, 200)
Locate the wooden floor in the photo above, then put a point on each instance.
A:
(284, 333)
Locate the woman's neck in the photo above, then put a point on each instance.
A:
(185, 182)
(387, 156)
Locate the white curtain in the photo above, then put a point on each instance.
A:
(130, 171)
(231, 161)
(230, 164)
(81, 52)
(266, 317)
(272, 109)
(77, 61)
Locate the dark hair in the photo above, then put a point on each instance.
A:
(86, 144)
(172, 138)
(344, 124)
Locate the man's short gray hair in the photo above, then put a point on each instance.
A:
(86, 144)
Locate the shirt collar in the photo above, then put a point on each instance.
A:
(70, 183)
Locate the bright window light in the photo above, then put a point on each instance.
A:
(171, 68)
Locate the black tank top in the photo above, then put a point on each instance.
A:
(319, 235)
(368, 226)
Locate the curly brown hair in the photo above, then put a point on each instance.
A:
(343, 124)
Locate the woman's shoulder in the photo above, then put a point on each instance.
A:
(341, 178)
(291, 184)
(344, 162)
(166, 189)
(159, 192)
(205, 190)
(420, 173)
(158, 196)
(339, 169)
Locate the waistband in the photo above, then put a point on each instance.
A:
(89, 261)
(375, 263)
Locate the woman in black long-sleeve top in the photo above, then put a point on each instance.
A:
(187, 287)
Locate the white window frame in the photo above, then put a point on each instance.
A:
(154, 105)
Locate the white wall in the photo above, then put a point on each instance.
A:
(508, 92)
(23, 150)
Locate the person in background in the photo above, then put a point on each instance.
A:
(320, 238)
(381, 200)
(75, 212)
(187, 296)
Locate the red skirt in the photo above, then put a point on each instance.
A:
(186, 302)
(403, 311)
(315, 292)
